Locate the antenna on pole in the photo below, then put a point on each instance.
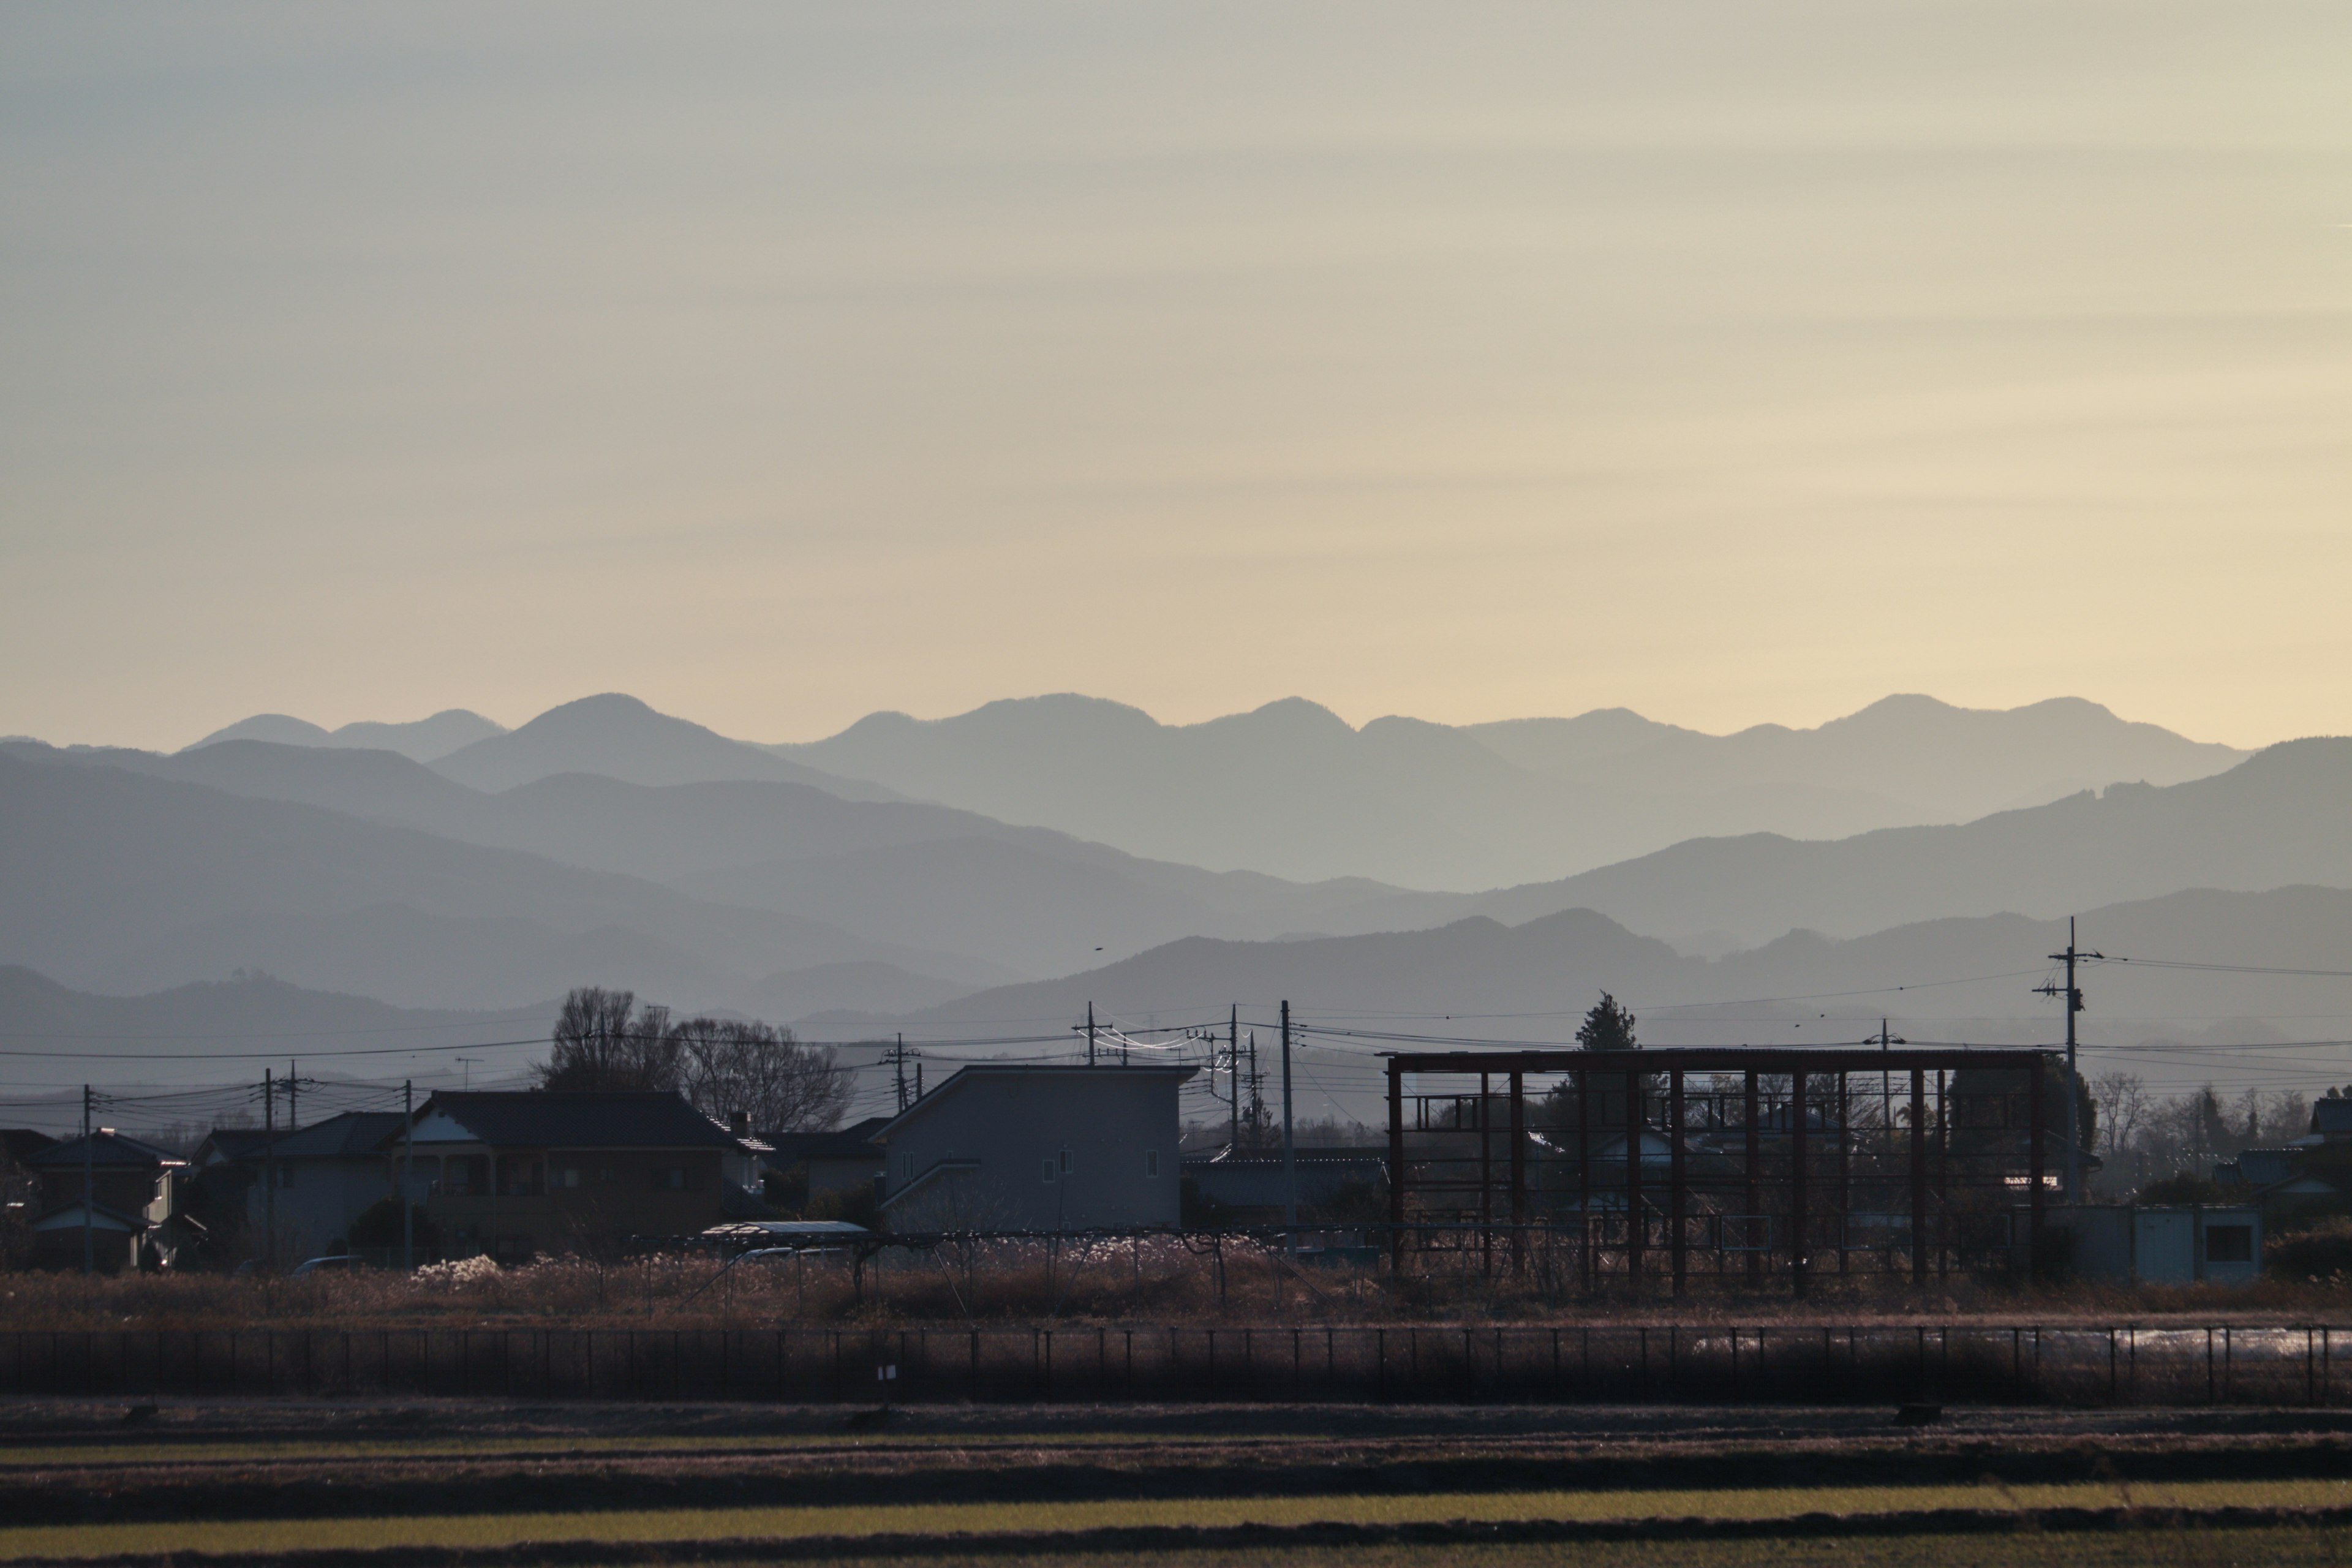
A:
(1289, 1160)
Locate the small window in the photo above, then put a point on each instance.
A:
(2228, 1243)
(906, 1167)
(1066, 1162)
(1150, 1164)
(607, 1175)
(568, 1176)
(1047, 1172)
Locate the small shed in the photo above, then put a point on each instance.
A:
(2184, 1244)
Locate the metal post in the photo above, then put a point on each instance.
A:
(1943, 1176)
(1676, 1187)
(1518, 1172)
(1584, 1173)
(1289, 1160)
(408, 1176)
(89, 1199)
(269, 1169)
(1798, 1214)
(1396, 1168)
(1634, 1224)
(1846, 1168)
(2035, 1118)
(1919, 1177)
(1755, 1197)
(1485, 1175)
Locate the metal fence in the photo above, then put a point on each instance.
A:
(1820, 1364)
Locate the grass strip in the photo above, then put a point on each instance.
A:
(2063, 1538)
(935, 1520)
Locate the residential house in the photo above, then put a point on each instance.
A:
(514, 1173)
(801, 1166)
(1037, 1147)
(119, 1222)
(312, 1183)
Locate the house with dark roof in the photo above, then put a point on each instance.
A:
(308, 1184)
(114, 1225)
(844, 1161)
(514, 1173)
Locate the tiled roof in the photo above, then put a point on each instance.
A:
(354, 1135)
(540, 1119)
(19, 1144)
(108, 1149)
(854, 1141)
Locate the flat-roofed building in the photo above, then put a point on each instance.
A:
(1037, 1147)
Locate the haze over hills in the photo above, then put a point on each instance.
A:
(2276, 819)
(422, 740)
(1292, 790)
(621, 738)
(1955, 980)
(361, 871)
(1027, 899)
(228, 1030)
(114, 881)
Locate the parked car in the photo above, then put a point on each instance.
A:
(342, 1260)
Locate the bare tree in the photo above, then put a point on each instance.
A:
(763, 1072)
(2122, 1099)
(603, 1041)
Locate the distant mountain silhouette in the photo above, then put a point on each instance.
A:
(1955, 981)
(210, 1031)
(424, 740)
(923, 876)
(2276, 819)
(1293, 791)
(113, 881)
(620, 737)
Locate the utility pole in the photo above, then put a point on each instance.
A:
(268, 1170)
(1885, 1089)
(2073, 997)
(1289, 1156)
(88, 1165)
(896, 1056)
(1233, 1071)
(407, 1175)
(1090, 1034)
(293, 1104)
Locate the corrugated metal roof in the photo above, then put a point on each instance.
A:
(540, 1119)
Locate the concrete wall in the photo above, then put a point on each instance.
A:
(1048, 1149)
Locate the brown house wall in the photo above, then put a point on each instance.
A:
(616, 1197)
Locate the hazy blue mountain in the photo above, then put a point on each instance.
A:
(210, 1032)
(422, 740)
(621, 738)
(846, 989)
(116, 881)
(1293, 791)
(2276, 819)
(1960, 981)
(1957, 763)
(1029, 900)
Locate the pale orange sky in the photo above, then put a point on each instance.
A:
(1725, 362)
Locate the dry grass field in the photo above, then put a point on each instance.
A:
(1163, 1280)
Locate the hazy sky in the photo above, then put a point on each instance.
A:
(1729, 361)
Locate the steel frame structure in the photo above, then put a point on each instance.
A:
(1782, 1184)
